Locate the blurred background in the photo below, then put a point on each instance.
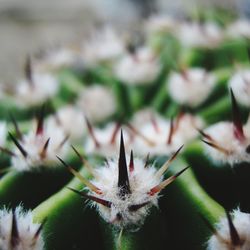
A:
(29, 25)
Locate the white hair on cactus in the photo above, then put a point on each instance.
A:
(228, 149)
(191, 87)
(18, 231)
(97, 102)
(161, 24)
(199, 35)
(43, 87)
(228, 142)
(56, 58)
(163, 137)
(71, 120)
(123, 194)
(104, 141)
(3, 133)
(143, 116)
(138, 68)
(38, 148)
(231, 233)
(104, 45)
(239, 28)
(240, 84)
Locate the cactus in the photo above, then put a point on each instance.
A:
(178, 94)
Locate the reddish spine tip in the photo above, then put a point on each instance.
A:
(131, 163)
(91, 132)
(238, 127)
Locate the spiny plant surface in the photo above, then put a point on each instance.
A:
(178, 92)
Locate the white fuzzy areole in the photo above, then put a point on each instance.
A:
(33, 145)
(161, 24)
(103, 136)
(143, 116)
(185, 132)
(141, 180)
(3, 133)
(43, 87)
(223, 135)
(71, 120)
(55, 58)
(206, 35)
(239, 28)
(241, 222)
(192, 87)
(97, 102)
(139, 68)
(26, 230)
(104, 45)
(240, 84)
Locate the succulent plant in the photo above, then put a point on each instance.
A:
(175, 98)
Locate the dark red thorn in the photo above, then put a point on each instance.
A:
(91, 131)
(18, 131)
(40, 121)
(19, 146)
(134, 208)
(235, 238)
(7, 151)
(114, 134)
(238, 127)
(131, 163)
(44, 150)
(213, 145)
(178, 119)
(171, 132)
(93, 198)
(77, 153)
(154, 123)
(39, 230)
(28, 71)
(123, 180)
(14, 239)
(208, 224)
(147, 161)
(205, 135)
(63, 141)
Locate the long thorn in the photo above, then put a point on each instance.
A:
(205, 135)
(93, 198)
(28, 71)
(114, 134)
(87, 183)
(166, 165)
(235, 238)
(14, 239)
(123, 180)
(214, 145)
(39, 230)
(18, 145)
(165, 183)
(171, 132)
(212, 229)
(7, 151)
(131, 162)
(18, 131)
(84, 161)
(238, 127)
(142, 136)
(45, 148)
(134, 208)
(40, 121)
(91, 132)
